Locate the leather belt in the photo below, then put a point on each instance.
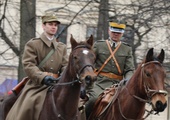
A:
(52, 74)
(111, 75)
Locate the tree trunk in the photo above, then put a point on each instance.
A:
(27, 30)
(102, 27)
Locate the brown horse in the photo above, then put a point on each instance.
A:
(62, 100)
(145, 86)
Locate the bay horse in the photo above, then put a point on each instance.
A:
(130, 98)
(61, 102)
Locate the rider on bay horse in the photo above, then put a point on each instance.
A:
(40, 74)
(114, 61)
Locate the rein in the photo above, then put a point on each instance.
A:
(77, 80)
(77, 73)
(147, 90)
(149, 113)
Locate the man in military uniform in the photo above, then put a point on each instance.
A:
(30, 102)
(114, 61)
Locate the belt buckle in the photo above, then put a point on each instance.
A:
(110, 75)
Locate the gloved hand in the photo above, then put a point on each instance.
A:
(48, 80)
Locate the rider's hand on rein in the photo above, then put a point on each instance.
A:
(48, 80)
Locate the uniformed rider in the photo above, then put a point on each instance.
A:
(29, 104)
(114, 61)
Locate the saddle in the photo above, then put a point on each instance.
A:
(103, 101)
(106, 99)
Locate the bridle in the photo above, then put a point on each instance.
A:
(78, 73)
(148, 92)
(147, 89)
(83, 67)
(76, 80)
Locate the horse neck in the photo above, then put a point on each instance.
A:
(70, 80)
(66, 96)
(135, 85)
(70, 89)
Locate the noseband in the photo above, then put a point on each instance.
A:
(148, 92)
(147, 89)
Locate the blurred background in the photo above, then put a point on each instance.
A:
(148, 25)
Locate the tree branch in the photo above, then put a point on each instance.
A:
(8, 41)
(73, 19)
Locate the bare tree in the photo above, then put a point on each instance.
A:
(143, 18)
(102, 26)
(27, 30)
(4, 36)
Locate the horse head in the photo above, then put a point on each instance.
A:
(83, 59)
(153, 75)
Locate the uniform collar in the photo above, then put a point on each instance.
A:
(113, 43)
(48, 42)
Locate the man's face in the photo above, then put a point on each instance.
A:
(50, 28)
(115, 36)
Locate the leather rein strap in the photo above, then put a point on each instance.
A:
(111, 56)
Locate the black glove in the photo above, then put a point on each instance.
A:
(48, 80)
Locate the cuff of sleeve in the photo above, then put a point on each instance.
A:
(40, 77)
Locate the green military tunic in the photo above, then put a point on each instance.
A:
(29, 104)
(125, 60)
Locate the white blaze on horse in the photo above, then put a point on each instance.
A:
(62, 101)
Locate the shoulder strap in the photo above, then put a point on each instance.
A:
(19, 87)
(112, 54)
(46, 58)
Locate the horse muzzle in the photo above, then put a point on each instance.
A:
(159, 102)
(87, 80)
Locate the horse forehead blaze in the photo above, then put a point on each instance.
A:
(85, 52)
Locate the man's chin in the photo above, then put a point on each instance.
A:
(52, 34)
(115, 40)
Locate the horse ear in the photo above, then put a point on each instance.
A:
(73, 42)
(161, 56)
(149, 55)
(90, 40)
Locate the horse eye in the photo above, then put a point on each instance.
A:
(147, 74)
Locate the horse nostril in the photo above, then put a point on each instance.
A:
(88, 79)
(82, 94)
(95, 78)
(160, 106)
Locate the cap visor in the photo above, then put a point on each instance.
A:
(117, 30)
(53, 20)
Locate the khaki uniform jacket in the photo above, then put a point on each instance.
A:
(28, 106)
(124, 58)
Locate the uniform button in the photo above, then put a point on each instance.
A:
(51, 68)
(52, 60)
